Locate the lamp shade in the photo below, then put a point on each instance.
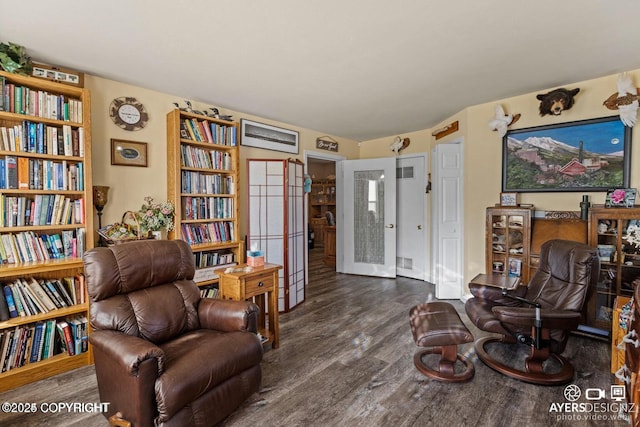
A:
(100, 196)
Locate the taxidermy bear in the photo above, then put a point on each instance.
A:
(556, 101)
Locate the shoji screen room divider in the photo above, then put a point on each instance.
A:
(276, 222)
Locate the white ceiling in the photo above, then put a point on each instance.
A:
(359, 69)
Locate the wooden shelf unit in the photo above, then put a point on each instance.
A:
(508, 239)
(37, 98)
(619, 263)
(322, 199)
(190, 160)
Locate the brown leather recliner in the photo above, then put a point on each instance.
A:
(539, 315)
(163, 355)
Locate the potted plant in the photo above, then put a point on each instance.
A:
(155, 217)
(14, 59)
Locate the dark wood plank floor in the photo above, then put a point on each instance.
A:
(346, 359)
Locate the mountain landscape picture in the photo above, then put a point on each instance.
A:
(589, 155)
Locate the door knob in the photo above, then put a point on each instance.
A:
(389, 226)
(419, 227)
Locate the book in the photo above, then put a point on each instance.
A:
(6, 347)
(49, 338)
(62, 290)
(36, 347)
(23, 173)
(48, 284)
(11, 164)
(4, 308)
(66, 337)
(76, 333)
(8, 295)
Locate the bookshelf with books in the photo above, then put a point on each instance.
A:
(45, 193)
(202, 173)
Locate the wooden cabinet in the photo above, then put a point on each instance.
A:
(202, 173)
(544, 229)
(322, 199)
(632, 362)
(619, 263)
(330, 246)
(508, 238)
(261, 285)
(46, 222)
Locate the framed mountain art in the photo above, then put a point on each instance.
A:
(587, 155)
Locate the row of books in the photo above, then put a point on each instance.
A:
(212, 259)
(201, 183)
(42, 209)
(209, 292)
(42, 340)
(195, 157)
(37, 174)
(29, 246)
(24, 100)
(207, 208)
(29, 296)
(212, 232)
(206, 131)
(32, 137)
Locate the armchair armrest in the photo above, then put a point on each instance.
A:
(228, 315)
(494, 294)
(126, 351)
(127, 368)
(551, 319)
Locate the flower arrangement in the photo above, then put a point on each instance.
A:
(155, 216)
(633, 235)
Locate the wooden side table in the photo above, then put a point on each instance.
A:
(255, 284)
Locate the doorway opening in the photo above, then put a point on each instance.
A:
(320, 206)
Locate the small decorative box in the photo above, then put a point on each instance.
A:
(255, 258)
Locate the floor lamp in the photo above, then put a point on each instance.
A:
(100, 199)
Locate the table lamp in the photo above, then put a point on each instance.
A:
(100, 199)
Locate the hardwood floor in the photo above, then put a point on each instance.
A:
(346, 359)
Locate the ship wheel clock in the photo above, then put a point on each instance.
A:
(128, 113)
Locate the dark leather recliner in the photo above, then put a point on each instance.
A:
(163, 355)
(539, 315)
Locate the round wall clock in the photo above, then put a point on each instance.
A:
(128, 113)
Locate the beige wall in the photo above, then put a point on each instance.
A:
(482, 151)
(129, 185)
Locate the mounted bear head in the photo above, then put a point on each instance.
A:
(556, 101)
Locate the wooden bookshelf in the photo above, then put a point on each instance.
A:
(206, 215)
(59, 168)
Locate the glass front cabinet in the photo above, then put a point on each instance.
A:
(615, 232)
(508, 241)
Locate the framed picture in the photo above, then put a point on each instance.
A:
(620, 198)
(508, 199)
(259, 135)
(128, 153)
(587, 155)
(515, 267)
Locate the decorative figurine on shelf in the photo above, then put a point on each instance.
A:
(155, 217)
(215, 113)
(307, 183)
(399, 144)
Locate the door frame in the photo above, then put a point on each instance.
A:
(310, 154)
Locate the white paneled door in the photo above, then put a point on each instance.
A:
(367, 223)
(447, 220)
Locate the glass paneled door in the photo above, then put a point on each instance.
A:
(368, 229)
